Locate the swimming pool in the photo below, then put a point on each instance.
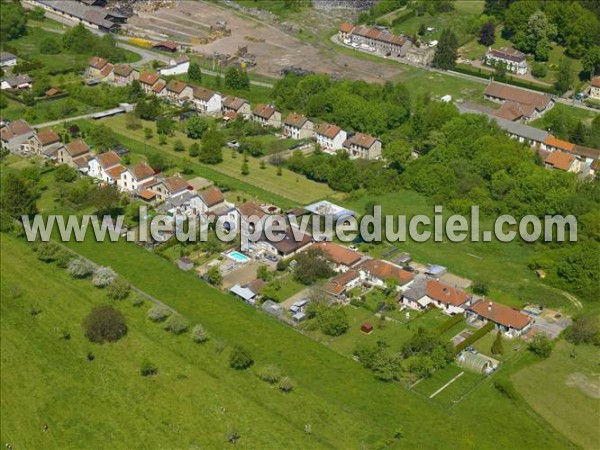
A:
(239, 257)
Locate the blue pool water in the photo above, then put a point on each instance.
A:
(240, 257)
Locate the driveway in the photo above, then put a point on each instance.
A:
(294, 298)
(243, 275)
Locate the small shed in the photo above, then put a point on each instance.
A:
(474, 362)
(185, 263)
(367, 327)
(299, 317)
(244, 293)
(435, 271)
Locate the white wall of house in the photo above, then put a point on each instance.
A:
(212, 105)
(332, 144)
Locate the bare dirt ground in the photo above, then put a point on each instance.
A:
(274, 48)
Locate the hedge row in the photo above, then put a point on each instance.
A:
(462, 68)
(474, 337)
(445, 326)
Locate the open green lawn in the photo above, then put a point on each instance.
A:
(456, 392)
(566, 392)
(579, 113)
(502, 266)
(456, 20)
(276, 7)
(293, 187)
(345, 405)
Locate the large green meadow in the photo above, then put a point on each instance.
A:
(195, 400)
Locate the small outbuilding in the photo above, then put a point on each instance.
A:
(366, 328)
(272, 308)
(185, 263)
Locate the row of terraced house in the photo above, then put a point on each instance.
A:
(330, 137)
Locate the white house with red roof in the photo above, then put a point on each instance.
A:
(106, 167)
(297, 126)
(425, 292)
(134, 177)
(595, 88)
(207, 101)
(512, 322)
(330, 137)
(514, 60)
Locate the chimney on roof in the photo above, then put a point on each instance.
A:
(489, 306)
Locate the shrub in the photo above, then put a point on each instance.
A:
(158, 313)
(176, 324)
(80, 268)
(497, 346)
(445, 326)
(540, 345)
(62, 258)
(270, 374)
(105, 324)
(584, 330)
(199, 334)
(148, 369)
(118, 289)
(474, 337)
(240, 358)
(286, 385)
(137, 301)
(539, 70)
(103, 276)
(220, 346)
(47, 251)
(480, 288)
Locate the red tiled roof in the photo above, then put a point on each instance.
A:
(501, 314)
(338, 284)
(446, 294)
(176, 183)
(251, 209)
(513, 111)
(384, 270)
(115, 172)
(508, 54)
(51, 92)
(560, 160)
(108, 159)
(107, 70)
(338, 254)
(166, 44)
(123, 70)
(346, 27)
(212, 196)
(97, 63)
(81, 161)
(361, 140)
(551, 141)
(17, 128)
(328, 130)
(295, 120)
(230, 115)
(77, 147)
(48, 137)
(147, 194)
(264, 111)
(234, 103)
(158, 87)
(203, 93)
(596, 82)
(176, 86)
(148, 78)
(505, 92)
(142, 171)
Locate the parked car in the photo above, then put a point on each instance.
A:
(271, 258)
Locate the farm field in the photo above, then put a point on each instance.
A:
(294, 187)
(566, 392)
(502, 266)
(374, 405)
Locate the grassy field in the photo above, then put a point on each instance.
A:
(578, 113)
(566, 392)
(46, 110)
(456, 20)
(344, 404)
(502, 266)
(289, 185)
